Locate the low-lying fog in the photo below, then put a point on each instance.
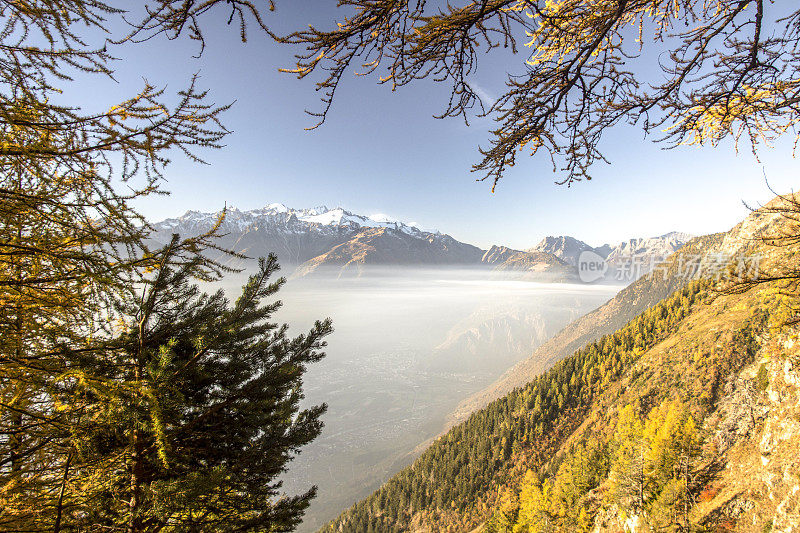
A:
(408, 346)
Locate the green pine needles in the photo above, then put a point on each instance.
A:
(196, 411)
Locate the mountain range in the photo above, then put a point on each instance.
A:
(318, 239)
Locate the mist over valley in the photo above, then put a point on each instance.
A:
(422, 322)
(408, 345)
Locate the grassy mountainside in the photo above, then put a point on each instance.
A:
(679, 356)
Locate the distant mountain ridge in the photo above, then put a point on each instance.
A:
(280, 214)
(317, 239)
(567, 248)
(322, 235)
(661, 246)
(497, 255)
(387, 246)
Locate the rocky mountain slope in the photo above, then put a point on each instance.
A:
(390, 246)
(568, 249)
(497, 255)
(757, 429)
(728, 376)
(657, 247)
(536, 264)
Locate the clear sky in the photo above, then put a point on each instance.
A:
(382, 152)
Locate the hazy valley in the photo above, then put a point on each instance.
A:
(423, 323)
(408, 346)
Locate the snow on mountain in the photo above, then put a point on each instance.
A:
(279, 214)
(297, 235)
(279, 208)
(569, 249)
(380, 217)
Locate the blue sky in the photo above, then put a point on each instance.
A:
(382, 152)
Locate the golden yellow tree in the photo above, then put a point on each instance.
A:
(70, 243)
(536, 509)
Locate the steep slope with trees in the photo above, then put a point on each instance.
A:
(700, 434)
(676, 357)
(632, 300)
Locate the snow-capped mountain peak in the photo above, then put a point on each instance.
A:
(299, 235)
(382, 218)
(333, 217)
(278, 208)
(286, 220)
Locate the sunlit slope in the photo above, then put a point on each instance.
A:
(454, 485)
(704, 367)
(700, 433)
(686, 346)
(629, 302)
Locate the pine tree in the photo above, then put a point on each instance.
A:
(197, 404)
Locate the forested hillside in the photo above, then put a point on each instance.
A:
(455, 482)
(700, 434)
(627, 304)
(563, 451)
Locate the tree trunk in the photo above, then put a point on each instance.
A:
(60, 504)
(135, 520)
